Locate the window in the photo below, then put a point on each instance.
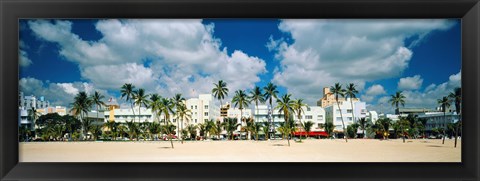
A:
(308, 117)
(339, 119)
(195, 107)
(349, 111)
(205, 114)
(174, 120)
(206, 106)
(308, 109)
(195, 120)
(195, 113)
(349, 118)
(205, 120)
(191, 107)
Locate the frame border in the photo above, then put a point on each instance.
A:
(12, 10)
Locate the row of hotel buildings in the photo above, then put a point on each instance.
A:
(205, 108)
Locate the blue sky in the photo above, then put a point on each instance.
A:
(420, 57)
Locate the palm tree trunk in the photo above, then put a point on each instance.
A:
(133, 110)
(444, 122)
(343, 124)
(353, 115)
(456, 134)
(97, 112)
(241, 121)
(288, 139)
(363, 131)
(273, 120)
(300, 119)
(182, 130)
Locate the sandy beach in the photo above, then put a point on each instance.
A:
(313, 150)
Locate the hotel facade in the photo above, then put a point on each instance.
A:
(315, 114)
(201, 109)
(334, 114)
(27, 103)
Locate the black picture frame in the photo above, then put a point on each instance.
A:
(11, 10)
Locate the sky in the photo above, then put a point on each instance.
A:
(420, 57)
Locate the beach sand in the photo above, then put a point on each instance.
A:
(312, 150)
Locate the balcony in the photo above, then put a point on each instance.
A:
(25, 121)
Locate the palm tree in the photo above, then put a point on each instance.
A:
(396, 99)
(59, 130)
(192, 129)
(133, 130)
(202, 130)
(298, 108)
(220, 91)
(96, 130)
(363, 125)
(445, 104)
(112, 126)
(328, 127)
(266, 129)
(255, 128)
(217, 129)
(355, 126)
(170, 129)
(128, 92)
(338, 91)
(307, 126)
(287, 128)
(34, 114)
(241, 100)
(97, 100)
(80, 106)
(155, 105)
(122, 129)
(383, 125)
(230, 125)
(351, 92)
(154, 129)
(210, 128)
(285, 105)
(178, 100)
(256, 95)
(166, 107)
(270, 93)
(456, 95)
(248, 127)
(140, 98)
(183, 113)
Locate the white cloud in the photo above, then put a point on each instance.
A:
(421, 99)
(59, 94)
(410, 83)
(68, 88)
(162, 56)
(372, 92)
(324, 52)
(375, 90)
(23, 59)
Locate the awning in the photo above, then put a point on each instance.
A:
(312, 133)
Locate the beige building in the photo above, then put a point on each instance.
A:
(328, 98)
(62, 111)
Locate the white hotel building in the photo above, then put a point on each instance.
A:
(202, 109)
(315, 114)
(42, 107)
(333, 113)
